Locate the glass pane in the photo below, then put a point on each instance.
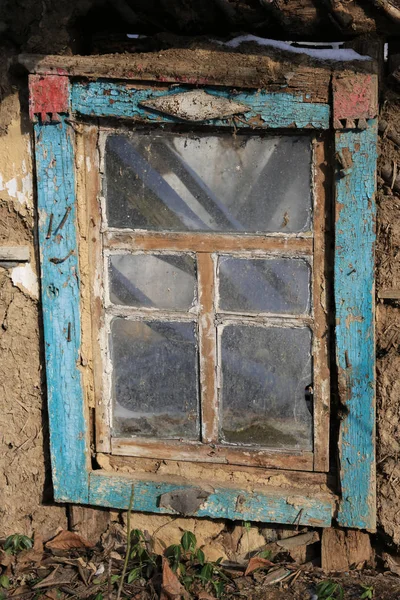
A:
(265, 371)
(165, 281)
(155, 391)
(218, 182)
(275, 285)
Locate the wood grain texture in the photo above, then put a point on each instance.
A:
(354, 303)
(272, 110)
(278, 506)
(206, 242)
(61, 314)
(212, 453)
(197, 67)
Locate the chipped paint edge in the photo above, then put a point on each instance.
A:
(355, 182)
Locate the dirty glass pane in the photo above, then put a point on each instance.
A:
(155, 390)
(274, 285)
(265, 371)
(218, 182)
(165, 281)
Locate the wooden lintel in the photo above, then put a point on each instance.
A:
(193, 67)
(14, 254)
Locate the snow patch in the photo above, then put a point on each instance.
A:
(24, 278)
(334, 53)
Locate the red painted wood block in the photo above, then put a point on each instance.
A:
(355, 98)
(48, 96)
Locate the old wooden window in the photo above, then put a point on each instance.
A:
(206, 258)
(214, 332)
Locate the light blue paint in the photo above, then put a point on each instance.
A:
(61, 306)
(354, 300)
(272, 110)
(225, 503)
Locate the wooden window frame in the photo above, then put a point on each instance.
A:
(205, 247)
(58, 96)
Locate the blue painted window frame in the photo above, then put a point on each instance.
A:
(74, 479)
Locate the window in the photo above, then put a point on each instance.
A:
(207, 256)
(210, 261)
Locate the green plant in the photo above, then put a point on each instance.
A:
(188, 562)
(368, 592)
(4, 582)
(16, 543)
(329, 590)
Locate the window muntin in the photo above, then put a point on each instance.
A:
(284, 259)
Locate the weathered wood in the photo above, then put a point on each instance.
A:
(205, 242)
(14, 253)
(195, 67)
(279, 506)
(208, 348)
(60, 299)
(266, 110)
(195, 452)
(321, 379)
(389, 294)
(391, 178)
(355, 340)
(342, 550)
(89, 522)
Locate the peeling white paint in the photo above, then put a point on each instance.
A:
(88, 164)
(24, 278)
(1, 183)
(12, 187)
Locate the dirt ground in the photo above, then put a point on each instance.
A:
(68, 567)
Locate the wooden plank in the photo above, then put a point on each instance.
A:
(321, 279)
(89, 522)
(196, 452)
(194, 67)
(389, 294)
(89, 164)
(354, 302)
(281, 506)
(61, 310)
(343, 550)
(14, 253)
(208, 348)
(266, 110)
(206, 242)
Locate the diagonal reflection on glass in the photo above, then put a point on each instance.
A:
(218, 182)
(163, 281)
(265, 371)
(274, 285)
(155, 373)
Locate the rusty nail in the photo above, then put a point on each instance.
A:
(65, 217)
(69, 333)
(57, 261)
(352, 271)
(50, 227)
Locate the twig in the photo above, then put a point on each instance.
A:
(109, 578)
(128, 544)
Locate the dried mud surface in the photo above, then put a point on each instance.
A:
(388, 336)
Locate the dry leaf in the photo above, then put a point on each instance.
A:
(35, 554)
(172, 589)
(66, 540)
(6, 559)
(393, 563)
(276, 575)
(60, 576)
(257, 563)
(206, 596)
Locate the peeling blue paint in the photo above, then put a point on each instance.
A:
(60, 300)
(278, 506)
(272, 110)
(354, 302)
